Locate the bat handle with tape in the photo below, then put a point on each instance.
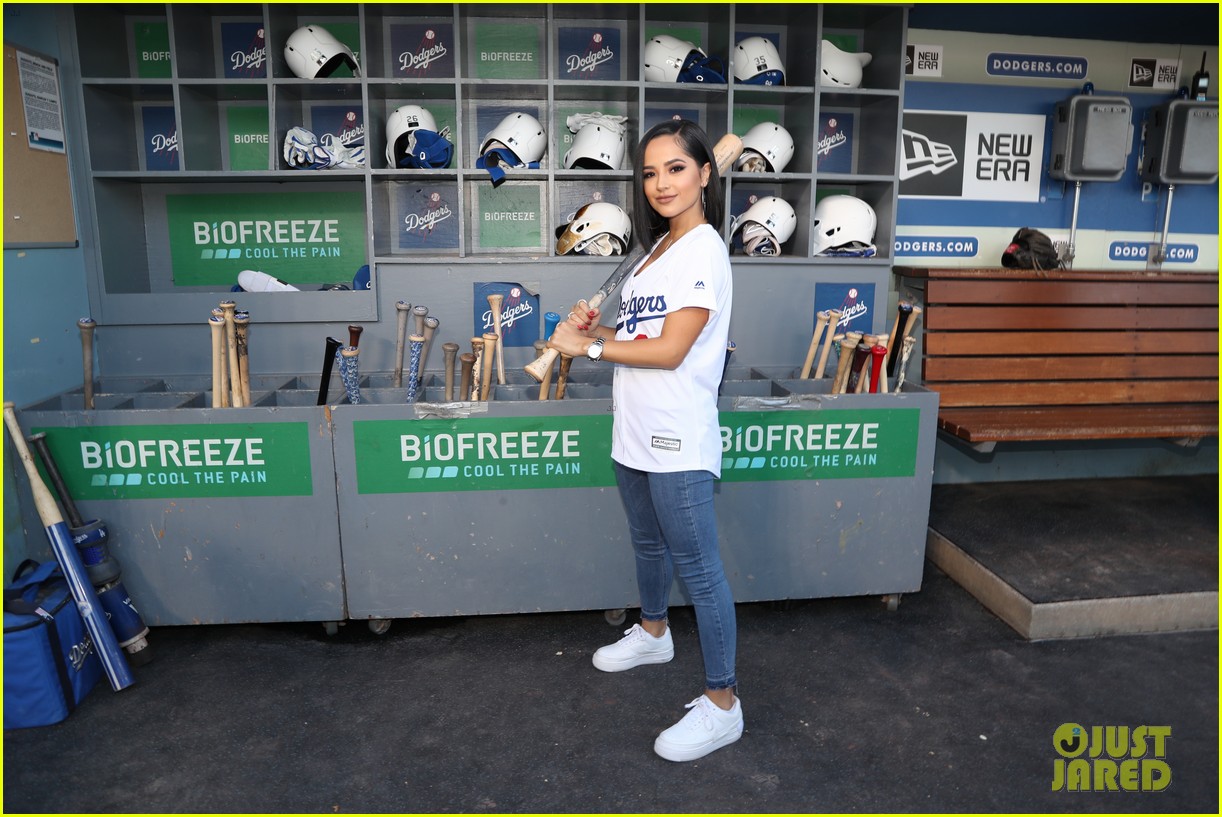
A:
(114, 663)
(87, 325)
(416, 347)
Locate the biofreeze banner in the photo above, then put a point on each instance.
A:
(299, 237)
(497, 454)
(181, 461)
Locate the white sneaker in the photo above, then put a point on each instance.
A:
(635, 648)
(705, 728)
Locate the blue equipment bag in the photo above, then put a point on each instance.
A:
(50, 663)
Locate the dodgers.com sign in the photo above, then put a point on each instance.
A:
(1043, 66)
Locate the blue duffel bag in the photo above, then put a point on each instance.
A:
(50, 663)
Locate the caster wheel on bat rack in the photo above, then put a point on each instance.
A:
(616, 618)
(379, 626)
(892, 600)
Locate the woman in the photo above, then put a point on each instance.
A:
(668, 344)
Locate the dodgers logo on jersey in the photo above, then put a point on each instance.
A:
(640, 308)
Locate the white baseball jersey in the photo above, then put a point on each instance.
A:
(667, 420)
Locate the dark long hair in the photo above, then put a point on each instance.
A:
(647, 224)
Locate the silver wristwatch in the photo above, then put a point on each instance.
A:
(595, 351)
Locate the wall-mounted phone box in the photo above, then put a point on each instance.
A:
(1092, 137)
(1181, 143)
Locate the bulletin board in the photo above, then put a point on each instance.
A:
(37, 189)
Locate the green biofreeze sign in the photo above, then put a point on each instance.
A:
(179, 461)
(299, 237)
(497, 454)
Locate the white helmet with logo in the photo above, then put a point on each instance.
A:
(841, 68)
(312, 51)
(665, 56)
(596, 148)
(777, 219)
(599, 218)
(843, 222)
(521, 133)
(769, 141)
(402, 121)
(756, 61)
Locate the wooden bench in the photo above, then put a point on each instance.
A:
(1021, 355)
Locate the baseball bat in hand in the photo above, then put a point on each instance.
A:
(546, 383)
(725, 153)
(114, 663)
(821, 320)
(495, 302)
(87, 325)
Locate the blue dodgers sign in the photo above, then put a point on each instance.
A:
(243, 50)
(160, 137)
(852, 301)
(427, 217)
(520, 315)
(589, 53)
(1042, 66)
(419, 50)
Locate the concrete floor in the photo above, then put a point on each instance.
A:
(938, 706)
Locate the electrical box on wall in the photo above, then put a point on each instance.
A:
(1181, 143)
(1091, 138)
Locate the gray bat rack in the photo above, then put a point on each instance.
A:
(289, 511)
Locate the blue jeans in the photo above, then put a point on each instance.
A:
(673, 528)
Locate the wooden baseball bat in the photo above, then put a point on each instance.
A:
(496, 302)
(477, 351)
(402, 308)
(847, 346)
(328, 363)
(354, 335)
(39, 441)
(114, 662)
(486, 361)
(909, 342)
(241, 327)
(219, 314)
(450, 352)
(562, 379)
(833, 318)
(821, 319)
(87, 325)
(725, 153)
(903, 311)
(546, 383)
(863, 377)
(467, 362)
(231, 338)
(913, 319)
(861, 353)
(217, 324)
(877, 365)
(430, 329)
(420, 313)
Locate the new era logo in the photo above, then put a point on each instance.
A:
(924, 155)
(1142, 75)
